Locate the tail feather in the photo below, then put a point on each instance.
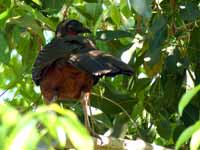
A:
(100, 64)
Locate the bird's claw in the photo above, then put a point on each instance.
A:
(97, 136)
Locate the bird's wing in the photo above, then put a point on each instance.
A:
(79, 52)
(99, 64)
(58, 48)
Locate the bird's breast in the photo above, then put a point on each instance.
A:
(64, 81)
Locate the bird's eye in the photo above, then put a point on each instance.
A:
(70, 27)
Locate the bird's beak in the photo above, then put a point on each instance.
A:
(85, 30)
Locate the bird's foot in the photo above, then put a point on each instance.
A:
(97, 136)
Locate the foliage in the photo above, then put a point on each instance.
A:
(159, 39)
(41, 127)
(192, 131)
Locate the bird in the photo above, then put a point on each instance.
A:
(70, 65)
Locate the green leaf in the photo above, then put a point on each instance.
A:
(28, 22)
(141, 84)
(37, 2)
(4, 50)
(7, 75)
(111, 35)
(24, 137)
(37, 15)
(120, 126)
(91, 1)
(23, 44)
(3, 17)
(186, 98)
(142, 7)
(164, 128)
(6, 3)
(91, 11)
(193, 49)
(137, 109)
(4, 14)
(190, 114)
(189, 11)
(94, 10)
(45, 118)
(77, 134)
(186, 135)
(53, 5)
(125, 8)
(195, 142)
(115, 14)
(158, 31)
(9, 116)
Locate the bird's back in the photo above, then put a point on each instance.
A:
(73, 64)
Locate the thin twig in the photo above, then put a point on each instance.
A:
(110, 100)
(192, 77)
(4, 92)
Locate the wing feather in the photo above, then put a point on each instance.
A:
(58, 48)
(100, 64)
(80, 53)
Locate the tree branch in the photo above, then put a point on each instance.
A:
(121, 144)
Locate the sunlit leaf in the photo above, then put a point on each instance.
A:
(37, 2)
(170, 34)
(115, 14)
(186, 135)
(186, 98)
(76, 133)
(4, 50)
(91, 1)
(195, 142)
(3, 16)
(26, 137)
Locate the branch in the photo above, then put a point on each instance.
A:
(123, 144)
(120, 144)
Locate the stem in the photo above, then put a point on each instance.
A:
(110, 100)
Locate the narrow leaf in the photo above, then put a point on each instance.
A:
(195, 142)
(4, 14)
(186, 135)
(186, 98)
(115, 14)
(24, 138)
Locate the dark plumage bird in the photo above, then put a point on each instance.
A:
(69, 66)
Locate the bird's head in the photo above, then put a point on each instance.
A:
(70, 27)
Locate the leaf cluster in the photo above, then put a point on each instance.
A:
(158, 38)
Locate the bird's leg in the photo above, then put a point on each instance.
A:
(85, 97)
(55, 95)
(53, 99)
(84, 103)
(91, 116)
